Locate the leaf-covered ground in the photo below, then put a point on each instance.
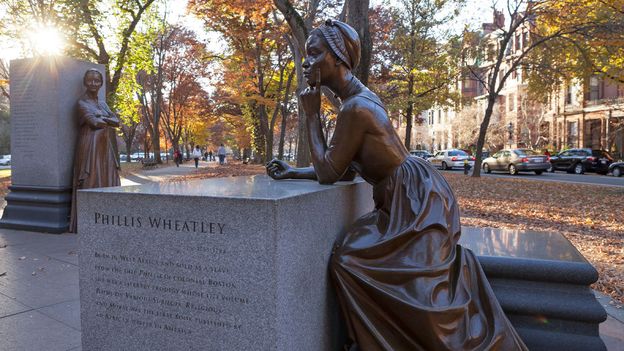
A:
(231, 169)
(590, 216)
(5, 181)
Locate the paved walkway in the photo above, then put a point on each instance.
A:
(154, 175)
(39, 293)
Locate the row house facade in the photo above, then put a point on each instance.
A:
(588, 113)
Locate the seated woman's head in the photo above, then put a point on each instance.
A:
(331, 47)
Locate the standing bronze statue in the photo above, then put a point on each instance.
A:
(402, 281)
(95, 161)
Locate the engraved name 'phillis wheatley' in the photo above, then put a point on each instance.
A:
(191, 226)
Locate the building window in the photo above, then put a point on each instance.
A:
(491, 52)
(523, 74)
(518, 38)
(439, 116)
(568, 98)
(525, 40)
(514, 74)
(572, 134)
(595, 89)
(511, 102)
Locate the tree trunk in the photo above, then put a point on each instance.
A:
(408, 113)
(356, 15)
(303, 149)
(284, 112)
(476, 172)
(299, 30)
(128, 150)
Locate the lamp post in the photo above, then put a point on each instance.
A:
(510, 130)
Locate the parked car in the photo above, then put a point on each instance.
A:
(137, 156)
(617, 169)
(516, 160)
(449, 159)
(580, 161)
(5, 160)
(424, 154)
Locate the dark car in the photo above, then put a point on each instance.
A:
(516, 160)
(424, 154)
(580, 161)
(617, 169)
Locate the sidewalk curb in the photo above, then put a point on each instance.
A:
(604, 300)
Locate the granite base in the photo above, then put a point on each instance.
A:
(39, 209)
(221, 264)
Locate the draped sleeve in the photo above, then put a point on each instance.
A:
(88, 114)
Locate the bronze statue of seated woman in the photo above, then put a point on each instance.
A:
(402, 281)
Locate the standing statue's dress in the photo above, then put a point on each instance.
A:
(403, 282)
(95, 161)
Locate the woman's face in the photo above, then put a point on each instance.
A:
(93, 82)
(318, 57)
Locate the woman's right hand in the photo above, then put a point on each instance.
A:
(278, 169)
(311, 96)
(100, 124)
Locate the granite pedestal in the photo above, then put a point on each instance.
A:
(221, 264)
(543, 284)
(44, 92)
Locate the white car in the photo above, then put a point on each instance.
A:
(5, 160)
(449, 159)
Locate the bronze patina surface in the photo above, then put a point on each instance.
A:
(402, 281)
(95, 161)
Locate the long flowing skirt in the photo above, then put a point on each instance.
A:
(403, 282)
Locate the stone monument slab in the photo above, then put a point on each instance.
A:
(44, 92)
(234, 263)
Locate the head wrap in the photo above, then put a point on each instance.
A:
(343, 40)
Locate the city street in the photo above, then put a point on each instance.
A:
(562, 177)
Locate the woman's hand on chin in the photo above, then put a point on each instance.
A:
(278, 169)
(311, 96)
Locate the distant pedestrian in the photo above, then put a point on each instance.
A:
(206, 156)
(221, 154)
(210, 156)
(197, 154)
(177, 157)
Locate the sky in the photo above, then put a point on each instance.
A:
(474, 13)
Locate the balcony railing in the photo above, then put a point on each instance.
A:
(608, 102)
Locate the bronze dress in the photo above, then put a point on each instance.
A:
(403, 283)
(95, 161)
